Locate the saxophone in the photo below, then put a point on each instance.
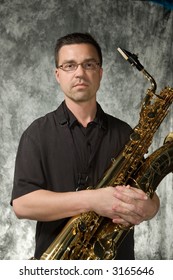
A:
(89, 236)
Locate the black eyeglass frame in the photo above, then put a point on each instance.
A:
(75, 65)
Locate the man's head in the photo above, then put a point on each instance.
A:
(76, 38)
(78, 67)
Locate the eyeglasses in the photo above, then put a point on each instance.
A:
(72, 66)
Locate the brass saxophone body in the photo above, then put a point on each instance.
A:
(91, 237)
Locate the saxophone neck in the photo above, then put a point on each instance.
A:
(133, 60)
(151, 80)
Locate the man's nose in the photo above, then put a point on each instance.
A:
(80, 70)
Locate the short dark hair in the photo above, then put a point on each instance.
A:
(76, 38)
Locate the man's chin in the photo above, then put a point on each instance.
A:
(80, 97)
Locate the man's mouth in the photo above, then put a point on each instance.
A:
(80, 85)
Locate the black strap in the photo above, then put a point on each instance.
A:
(82, 171)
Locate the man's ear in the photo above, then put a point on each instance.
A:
(57, 74)
(101, 73)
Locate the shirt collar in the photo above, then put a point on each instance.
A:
(100, 118)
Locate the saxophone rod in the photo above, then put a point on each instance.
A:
(133, 60)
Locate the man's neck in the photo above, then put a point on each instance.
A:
(85, 112)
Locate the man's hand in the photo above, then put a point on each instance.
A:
(133, 206)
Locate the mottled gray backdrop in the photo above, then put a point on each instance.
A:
(28, 32)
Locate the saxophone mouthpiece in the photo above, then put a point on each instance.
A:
(131, 58)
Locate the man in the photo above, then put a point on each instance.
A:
(64, 152)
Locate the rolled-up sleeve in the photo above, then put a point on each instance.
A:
(28, 174)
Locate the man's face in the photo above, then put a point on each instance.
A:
(81, 84)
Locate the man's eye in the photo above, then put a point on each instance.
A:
(89, 64)
(69, 66)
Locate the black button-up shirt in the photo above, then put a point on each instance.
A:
(57, 153)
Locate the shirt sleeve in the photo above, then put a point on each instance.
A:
(28, 174)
